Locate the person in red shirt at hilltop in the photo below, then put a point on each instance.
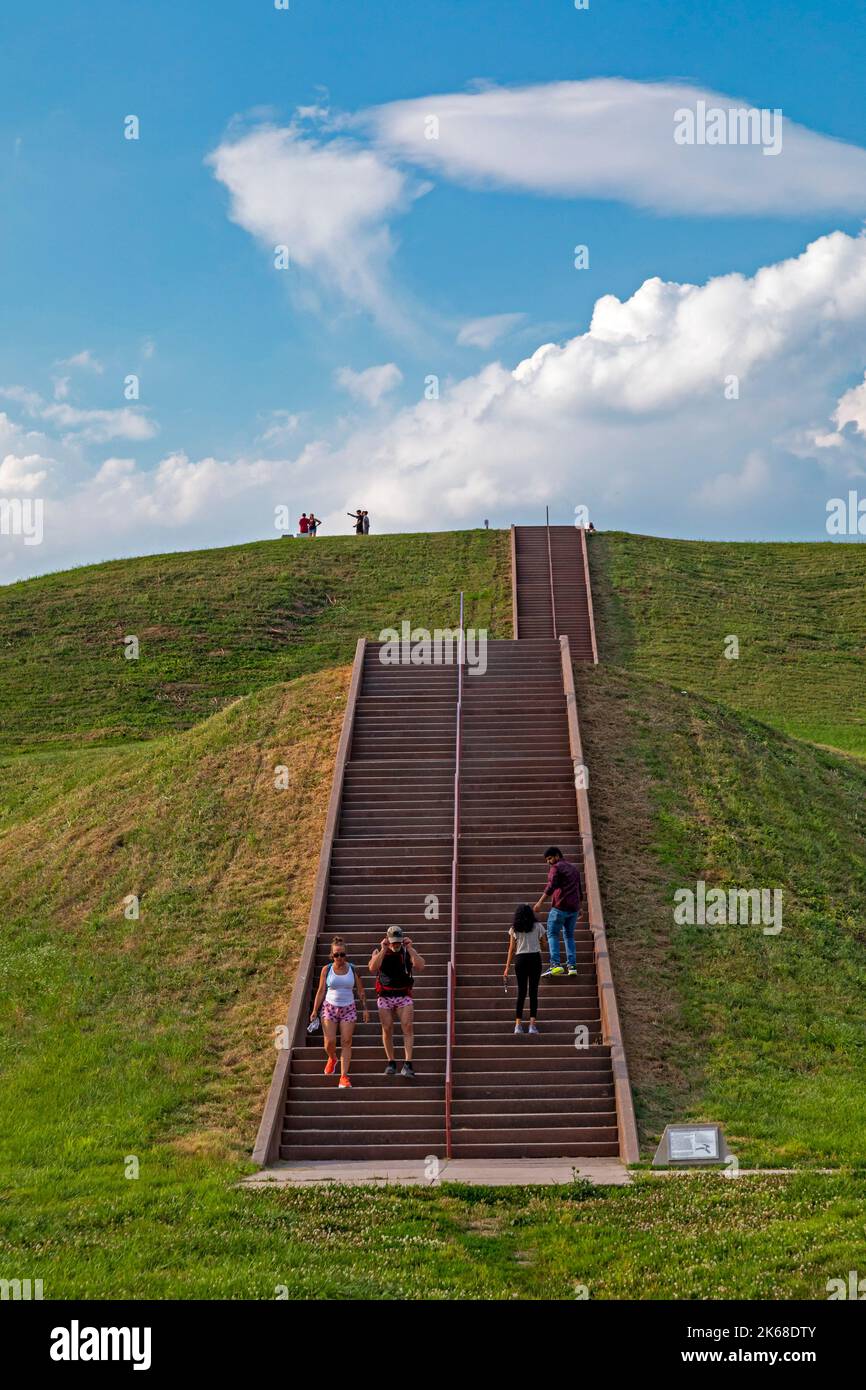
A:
(304, 525)
(565, 891)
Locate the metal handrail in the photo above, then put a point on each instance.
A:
(452, 962)
(629, 1149)
(588, 582)
(550, 570)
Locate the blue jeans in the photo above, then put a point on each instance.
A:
(558, 921)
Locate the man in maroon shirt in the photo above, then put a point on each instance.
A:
(564, 890)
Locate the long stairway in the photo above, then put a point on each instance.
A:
(535, 604)
(512, 1096)
(392, 854)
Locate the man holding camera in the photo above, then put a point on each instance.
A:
(394, 964)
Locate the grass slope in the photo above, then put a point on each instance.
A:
(216, 624)
(762, 1032)
(115, 1031)
(665, 609)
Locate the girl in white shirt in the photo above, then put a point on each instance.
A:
(525, 939)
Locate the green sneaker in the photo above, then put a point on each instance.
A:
(572, 970)
(557, 970)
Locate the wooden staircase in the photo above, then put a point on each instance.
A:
(521, 1096)
(394, 854)
(569, 610)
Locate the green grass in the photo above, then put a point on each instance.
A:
(114, 1030)
(182, 1230)
(761, 1032)
(665, 608)
(216, 624)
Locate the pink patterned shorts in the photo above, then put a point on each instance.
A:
(345, 1014)
(394, 1001)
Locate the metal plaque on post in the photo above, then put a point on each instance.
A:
(693, 1144)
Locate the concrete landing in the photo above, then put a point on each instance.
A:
(481, 1172)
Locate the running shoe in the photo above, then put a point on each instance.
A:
(391, 1069)
(532, 1028)
(407, 1069)
(572, 970)
(330, 1065)
(518, 1027)
(556, 970)
(344, 1081)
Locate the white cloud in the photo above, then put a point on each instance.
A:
(98, 426)
(630, 418)
(25, 474)
(329, 203)
(85, 360)
(329, 186)
(281, 430)
(613, 138)
(93, 426)
(370, 385)
(113, 469)
(484, 332)
(845, 441)
(851, 409)
(30, 400)
(736, 489)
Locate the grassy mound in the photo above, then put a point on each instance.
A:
(763, 1032)
(149, 1038)
(666, 609)
(216, 624)
(116, 1032)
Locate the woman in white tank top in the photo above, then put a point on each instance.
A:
(336, 999)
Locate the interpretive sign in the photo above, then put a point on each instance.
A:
(693, 1144)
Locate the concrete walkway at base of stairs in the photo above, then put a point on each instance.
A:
(482, 1172)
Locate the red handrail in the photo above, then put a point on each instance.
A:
(550, 569)
(452, 963)
(588, 583)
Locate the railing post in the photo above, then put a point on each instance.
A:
(588, 583)
(550, 570)
(513, 550)
(455, 851)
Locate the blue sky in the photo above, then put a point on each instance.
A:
(132, 252)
